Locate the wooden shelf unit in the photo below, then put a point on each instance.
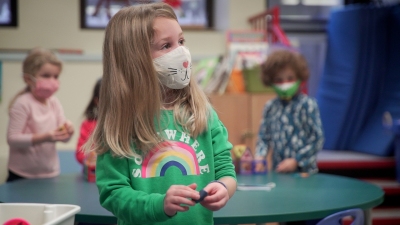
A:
(241, 114)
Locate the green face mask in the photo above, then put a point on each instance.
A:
(286, 91)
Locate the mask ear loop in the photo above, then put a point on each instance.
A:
(30, 76)
(33, 78)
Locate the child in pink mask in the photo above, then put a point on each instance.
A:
(36, 120)
(290, 133)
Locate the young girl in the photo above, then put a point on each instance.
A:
(290, 130)
(157, 138)
(89, 123)
(37, 120)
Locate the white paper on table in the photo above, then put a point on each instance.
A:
(256, 187)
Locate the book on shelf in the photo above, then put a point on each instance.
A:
(204, 70)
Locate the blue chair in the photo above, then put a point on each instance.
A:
(335, 219)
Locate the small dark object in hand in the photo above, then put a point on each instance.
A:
(203, 194)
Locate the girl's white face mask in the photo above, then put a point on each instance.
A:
(174, 68)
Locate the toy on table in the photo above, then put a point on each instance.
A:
(245, 162)
(237, 152)
(89, 167)
(259, 166)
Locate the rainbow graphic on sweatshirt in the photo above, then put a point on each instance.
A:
(175, 154)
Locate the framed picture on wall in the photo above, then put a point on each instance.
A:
(8, 13)
(192, 14)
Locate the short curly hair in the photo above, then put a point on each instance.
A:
(281, 59)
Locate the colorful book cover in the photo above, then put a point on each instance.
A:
(204, 70)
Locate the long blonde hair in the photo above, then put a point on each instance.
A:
(131, 94)
(35, 59)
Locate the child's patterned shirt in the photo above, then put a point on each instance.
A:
(291, 129)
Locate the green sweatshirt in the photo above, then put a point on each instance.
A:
(134, 189)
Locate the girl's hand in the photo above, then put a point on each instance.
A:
(217, 196)
(59, 135)
(287, 166)
(179, 197)
(69, 127)
(63, 133)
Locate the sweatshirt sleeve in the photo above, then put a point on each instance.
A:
(221, 146)
(18, 118)
(118, 196)
(314, 138)
(87, 128)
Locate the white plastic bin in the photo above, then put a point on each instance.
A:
(39, 214)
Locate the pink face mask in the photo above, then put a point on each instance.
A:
(44, 88)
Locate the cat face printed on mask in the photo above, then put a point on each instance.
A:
(171, 58)
(174, 68)
(179, 72)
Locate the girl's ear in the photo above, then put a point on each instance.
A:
(27, 78)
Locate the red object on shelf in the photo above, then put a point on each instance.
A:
(269, 22)
(174, 3)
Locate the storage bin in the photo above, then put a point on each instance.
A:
(253, 81)
(39, 214)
